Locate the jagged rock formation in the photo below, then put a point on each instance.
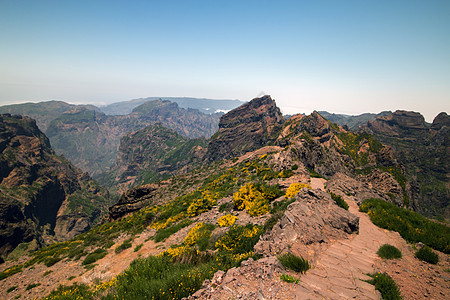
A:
(424, 151)
(154, 153)
(42, 195)
(314, 218)
(246, 128)
(91, 139)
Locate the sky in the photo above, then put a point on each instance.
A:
(341, 56)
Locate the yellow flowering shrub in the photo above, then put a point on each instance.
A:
(227, 220)
(251, 199)
(239, 239)
(294, 188)
(205, 203)
(195, 234)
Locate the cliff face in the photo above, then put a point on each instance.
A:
(42, 195)
(246, 128)
(424, 150)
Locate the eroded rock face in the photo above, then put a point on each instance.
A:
(314, 218)
(399, 122)
(133, 200)
(246, 128)
(39, 191)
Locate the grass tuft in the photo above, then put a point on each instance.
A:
(293, 262)
(389, 252)
(386, 285)
(288, 278)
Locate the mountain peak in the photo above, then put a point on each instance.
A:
(246, 128)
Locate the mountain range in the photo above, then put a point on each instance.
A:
(217, 215)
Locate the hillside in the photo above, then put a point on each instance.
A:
(44, 198)
(423, 150)
(43, 112)
(151, 154)
(91, 139)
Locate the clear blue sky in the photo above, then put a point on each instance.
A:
(341, 56)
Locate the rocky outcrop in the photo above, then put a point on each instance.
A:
(133, 200)
(40, 192)
(246, 128)
(313, 219)
(424, 153)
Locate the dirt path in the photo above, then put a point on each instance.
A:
(340, 268)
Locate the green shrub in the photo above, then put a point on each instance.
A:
(94, 256)
(75, 291)
(426, 254)
(138, 247)
(293, 262)
(13, 288)
(239, 239)
(387, 287)
(47, 273)
(339, 201)
(11, 271)
(125, 245)
(32, 286)
(389, 252)
(50, 261)
(164, 233)
(412, 226)
(226, 207)
(288, 278)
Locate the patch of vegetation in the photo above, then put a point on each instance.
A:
(387, 287)
(138, 247)
(32, 286)
(353, 143)
(163, 233)
(75, 291)
(125, 245)
(294, 188)
(11, 271)
(227, 220)
(339, 201)
(288, 278)
(11, 289)
(313, 173)
(226, 207)
(426, 254)
(389, 252)
(50, 261)
(293, 262)
(94, 256)
(71, 278)
(47, 273)
(412, 226)
(255, 198)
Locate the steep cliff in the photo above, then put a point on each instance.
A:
(43, 196)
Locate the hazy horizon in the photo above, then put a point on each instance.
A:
(346, 57)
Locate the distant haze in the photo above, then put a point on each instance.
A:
(340, 56)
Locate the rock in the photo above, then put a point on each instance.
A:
(246, 128)
(313, 218)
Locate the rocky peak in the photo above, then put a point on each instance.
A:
(246, 128)
(408, 119)
(440, 121)
(398, 123)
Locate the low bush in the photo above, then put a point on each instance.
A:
(412, 226)
(293, 262)
(138, 247)
(164, 233)
(11, 289)
(227, 220)
(94, 256)
(339, 201)
(387, 287)
(389, 252)
(426, 254)
(226, 207)
(288, 278)
(32, 286)
(125, 245)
